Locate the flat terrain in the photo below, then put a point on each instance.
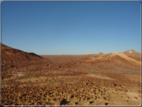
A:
(96, 79)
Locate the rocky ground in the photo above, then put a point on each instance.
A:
(69, 80)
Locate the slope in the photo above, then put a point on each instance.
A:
(133, 54)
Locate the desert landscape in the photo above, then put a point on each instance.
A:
(90, 79)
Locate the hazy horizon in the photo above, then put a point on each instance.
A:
(70, 54)
(71, 28)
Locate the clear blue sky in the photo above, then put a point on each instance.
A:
(51, 28)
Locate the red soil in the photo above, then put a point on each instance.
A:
(95, 79)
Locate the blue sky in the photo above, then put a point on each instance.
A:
(53, 28)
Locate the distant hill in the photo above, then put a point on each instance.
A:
(115, 58)
(100, 53)
(87, 54)
(12, 58)
(11, 54)
(133, 54)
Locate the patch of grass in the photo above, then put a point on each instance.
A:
(77, 69)
(27, 76)
(129, 73)
(102, 75)
(21, 77)
(50, 82)
(8, 84)
(108, 71)
(115, 70)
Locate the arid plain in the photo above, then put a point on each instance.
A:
(91, 79)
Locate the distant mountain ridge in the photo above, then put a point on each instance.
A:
(117, 58)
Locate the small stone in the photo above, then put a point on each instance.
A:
(88, 102)
(136, 97)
